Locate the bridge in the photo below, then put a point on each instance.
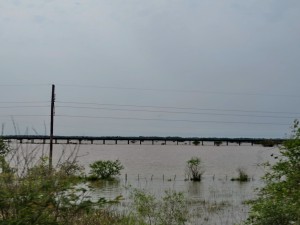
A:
(44, 139)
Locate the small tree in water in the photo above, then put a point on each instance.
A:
(105, 169)
(194, 168)
(196, 142)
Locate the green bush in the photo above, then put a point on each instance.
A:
(242, 176)
(194, 168)
(196, 142)
(105, 169)
(268, 143)
(279, 201)
(170, 210)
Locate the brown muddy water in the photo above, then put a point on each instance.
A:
(158, 168)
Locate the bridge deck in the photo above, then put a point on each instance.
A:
(140, 140)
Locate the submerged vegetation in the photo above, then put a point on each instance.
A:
(269, 143)
(242, 176)
(196, 142)
(194, 168)
(105, 169)
(170, 210)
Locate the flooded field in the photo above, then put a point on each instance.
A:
(158, 168)
(214, 200)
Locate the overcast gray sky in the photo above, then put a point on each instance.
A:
(212, 68)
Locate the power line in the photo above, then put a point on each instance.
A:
(179, 108)
(24, 106)
(24, 102)
(177, 90)
(174, 112)
(24, 115)
(168, 120)
(23, 85)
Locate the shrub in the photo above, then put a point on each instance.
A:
(268, 143)
(105, 169)
(196, 142)
(242, 177)
(170, 210)
(194, 168)
(279, 201)
(71, 168)
(173, 209)
(32, 194)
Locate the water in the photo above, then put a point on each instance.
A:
(157, 168)
(214, 200)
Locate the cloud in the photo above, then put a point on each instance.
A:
(219, 46)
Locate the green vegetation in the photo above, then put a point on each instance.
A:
(279, 201)
(31, 194)
(105, 169)
(269, 143)
(170, 210)
(242, 176)
(4, 149)
(194, 168)
(196, 142)
(40, 196)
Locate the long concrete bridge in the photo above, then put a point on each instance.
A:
(44, 139)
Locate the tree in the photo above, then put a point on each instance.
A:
(105, 169)
(194, 168)
(279, 201)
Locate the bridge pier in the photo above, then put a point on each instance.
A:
(104, 142)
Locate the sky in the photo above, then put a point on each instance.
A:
(190, 68)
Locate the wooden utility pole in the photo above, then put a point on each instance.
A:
(51, 126)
